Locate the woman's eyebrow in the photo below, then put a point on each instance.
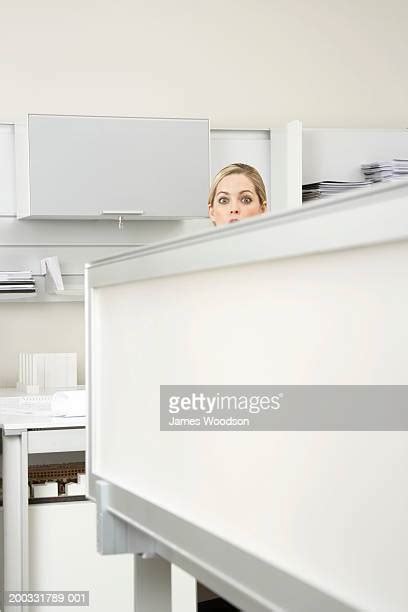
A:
(227, 192)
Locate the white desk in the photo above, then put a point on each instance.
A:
(21, 436)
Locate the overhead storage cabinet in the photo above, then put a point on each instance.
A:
(97, 167)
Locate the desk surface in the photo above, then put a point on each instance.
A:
(27, 421)
(11, 419)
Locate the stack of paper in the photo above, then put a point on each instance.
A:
(18, 283)
(76, 488)
(323, 189)
(386, 170)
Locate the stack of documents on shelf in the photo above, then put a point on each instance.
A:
(386, 170)
(322, 189)
(18, 283)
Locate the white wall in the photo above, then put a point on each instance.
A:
(47, 328)
(255, 64)
(259, 63)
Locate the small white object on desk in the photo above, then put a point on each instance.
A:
(69, 403)
(45, 489)
(76, 488)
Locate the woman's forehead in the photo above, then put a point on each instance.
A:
(235, 183)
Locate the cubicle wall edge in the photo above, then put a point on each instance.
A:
(88, 382)
(360, 218)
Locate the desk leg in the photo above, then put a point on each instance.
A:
(152, 585)
(183, 591)
(15, 512)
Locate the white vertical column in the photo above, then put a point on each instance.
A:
(278, 170)
(15, 512)
(294, 164)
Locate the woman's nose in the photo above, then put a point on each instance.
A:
(234, 208)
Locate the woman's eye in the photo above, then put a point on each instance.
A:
(222, 200)
(246, 200)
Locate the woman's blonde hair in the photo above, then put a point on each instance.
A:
(249, 171)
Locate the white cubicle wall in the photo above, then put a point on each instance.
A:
(337, 154)
(293, 521)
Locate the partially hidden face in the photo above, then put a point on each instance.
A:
(235, 199)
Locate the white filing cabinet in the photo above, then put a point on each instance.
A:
(51, 546)
(88, 167)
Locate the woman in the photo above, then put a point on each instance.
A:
(237, 192)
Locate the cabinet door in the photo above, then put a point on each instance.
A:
(63, 556)
(88, 166)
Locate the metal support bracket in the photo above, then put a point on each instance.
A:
(115, 535)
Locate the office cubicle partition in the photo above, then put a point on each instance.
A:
(293, 521)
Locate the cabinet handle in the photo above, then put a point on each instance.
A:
(122, 213)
